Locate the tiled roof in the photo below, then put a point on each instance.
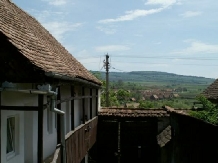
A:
(127, 112)
(164, 137)
(35, 43)
(178, 111)
(211, 92)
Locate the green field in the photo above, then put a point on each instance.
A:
(188, 87)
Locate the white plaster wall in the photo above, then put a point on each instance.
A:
(19, 156)
(28, 137)
(28, 126)
(18, 99)
(49, 138)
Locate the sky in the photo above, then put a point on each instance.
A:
(175, 36)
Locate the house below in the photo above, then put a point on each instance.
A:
(48, 100)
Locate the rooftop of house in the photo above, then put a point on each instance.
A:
(36, 44)
(133, 112)
(211, 92)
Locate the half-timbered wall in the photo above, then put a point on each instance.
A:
(27, 122)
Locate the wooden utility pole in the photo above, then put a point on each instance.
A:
(118, 144)
(107, 80)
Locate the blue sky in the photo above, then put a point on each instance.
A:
(176, 36)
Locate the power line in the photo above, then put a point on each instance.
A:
(117, 69)
(155, 63)
(154, 57)
(168, 57)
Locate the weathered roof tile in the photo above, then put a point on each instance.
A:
(38, 45)
(132, 112)
(211, 92)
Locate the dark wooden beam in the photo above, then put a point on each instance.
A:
(0, 125)
(20, 108)
(96, 107)
(73, 98)
(90, 107)
(59, 117)
(40, 128)
(83, 104)
(72, 108)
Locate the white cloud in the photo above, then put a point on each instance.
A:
(56, 2)
(131, 15)
(46, 15)
(189, 14)
(197, 47)
(58, 29)
(111, 48)
(107, 30)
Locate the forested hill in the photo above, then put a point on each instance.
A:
(154, 76)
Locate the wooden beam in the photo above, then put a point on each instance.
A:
(0, 125)
(40, 128)
(59, 117)
(73, 98)
(90, 107)
(20, 108)
(72, 108)
(83, 104)
(96, 107)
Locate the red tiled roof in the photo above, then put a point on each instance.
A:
(178, 111)
(35, 43)
(127, 112)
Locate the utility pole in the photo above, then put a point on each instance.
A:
(107, 66)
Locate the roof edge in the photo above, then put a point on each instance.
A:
(65, 77)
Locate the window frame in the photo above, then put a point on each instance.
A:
(12, 129)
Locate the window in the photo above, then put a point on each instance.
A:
(10, 137)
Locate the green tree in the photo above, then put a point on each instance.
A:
(209, 112)
(146, 104)
(123, 96)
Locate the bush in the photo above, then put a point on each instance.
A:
(210, 112)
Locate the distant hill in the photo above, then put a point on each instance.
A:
(154, 77)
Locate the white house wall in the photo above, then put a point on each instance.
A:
(19, 156)
(29, 135)
(49, 138)
(14, 99)
(28, 122)
(28, 127)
